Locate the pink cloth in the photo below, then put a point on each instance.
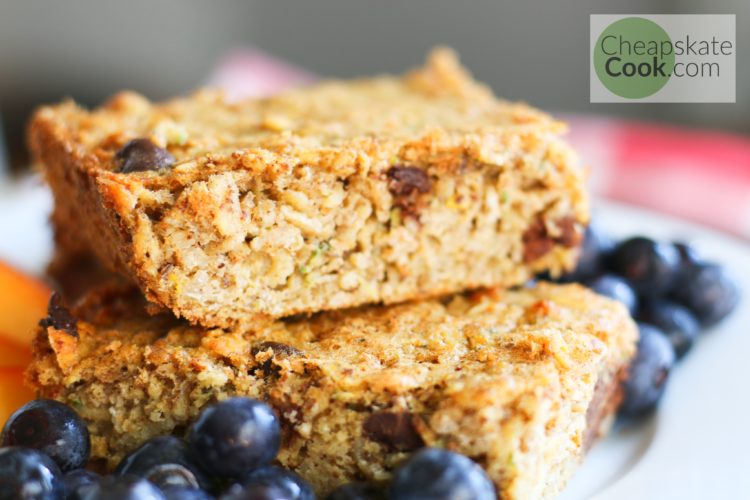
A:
(699, 175)
(251, 73)
(703, 176)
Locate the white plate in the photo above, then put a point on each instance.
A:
(698, 444)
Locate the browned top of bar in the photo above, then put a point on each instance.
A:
(506, 339)
(431, 115)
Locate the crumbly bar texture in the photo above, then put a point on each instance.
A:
(522, 381)
(346, 193)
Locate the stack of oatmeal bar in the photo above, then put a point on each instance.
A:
(355, 253)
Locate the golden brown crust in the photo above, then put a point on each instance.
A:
(346, 193)
(504, 377)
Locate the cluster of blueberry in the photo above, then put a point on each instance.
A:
(669, 289)
(228, 452)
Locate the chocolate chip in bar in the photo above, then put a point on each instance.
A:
(59, 317)
(278, 349)
(393, 429)
(570, 232)
(140, 155)
(607, 397)
(537, 242)
(406, 184)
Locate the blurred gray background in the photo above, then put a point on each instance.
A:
(531, 50)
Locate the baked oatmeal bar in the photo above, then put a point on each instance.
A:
(521, 381)
(345, 193)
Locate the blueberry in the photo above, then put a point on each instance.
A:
(171, 475)
(272, 479)
(708, 291)
(437, 474)
(679, 324)
(648, 265)
(689, 256)
(357, 491)
(76, 479)
(594, 252)
(185, 493)
(235, 436)
(649, 372)
(121, 488)
(52, 428)
(164, 450)
(256, 492)
(28, 474)
(616, 288)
